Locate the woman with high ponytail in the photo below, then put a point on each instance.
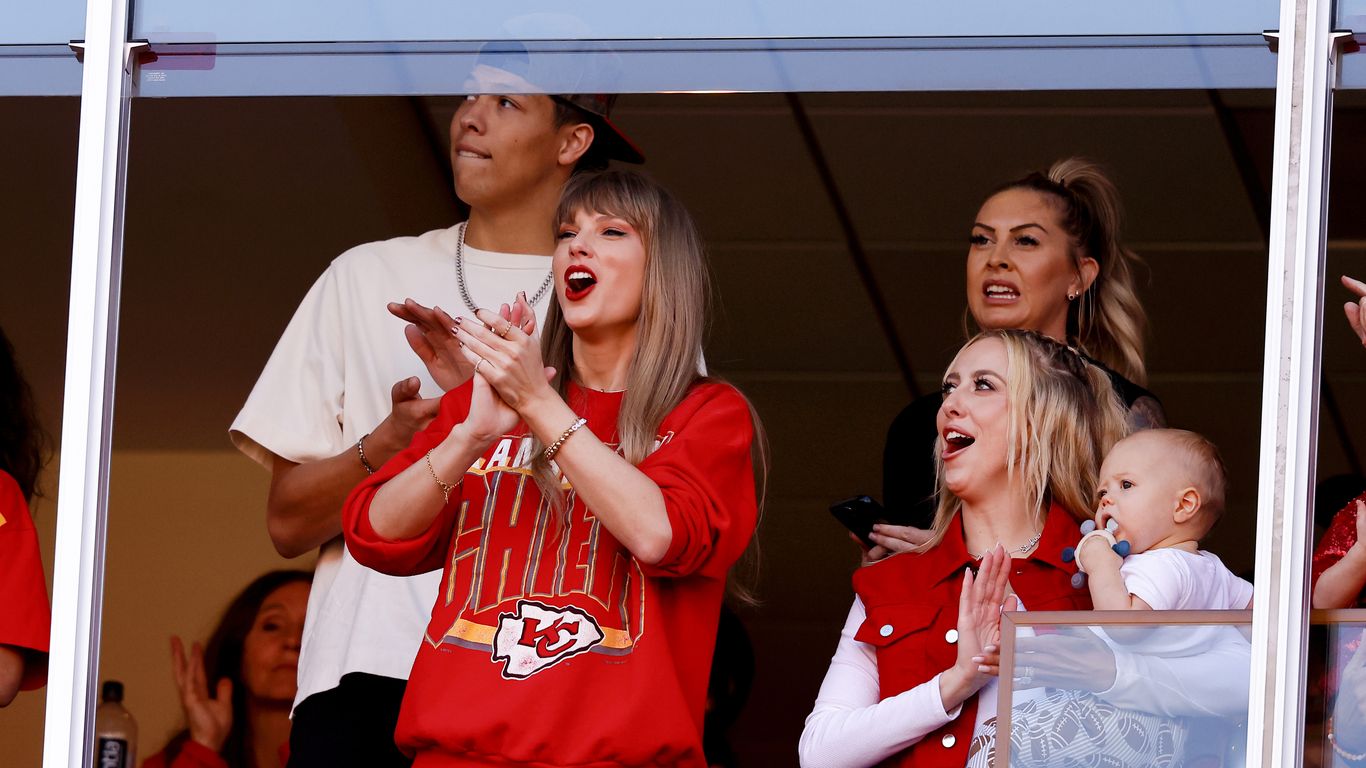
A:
(1044, 254)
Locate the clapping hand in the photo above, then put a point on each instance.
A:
(1356, 310)
(209, 715)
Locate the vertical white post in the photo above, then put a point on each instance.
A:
(1290, 381)
(87, 411)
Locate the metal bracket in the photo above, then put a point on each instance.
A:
(1344, 40)
(142, 48)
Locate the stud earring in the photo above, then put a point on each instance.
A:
(1071, 295)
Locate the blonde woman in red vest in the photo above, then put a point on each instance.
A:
(1021, 429)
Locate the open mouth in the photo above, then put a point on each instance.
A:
(956, 441)
(1000, 292)
(578, 282)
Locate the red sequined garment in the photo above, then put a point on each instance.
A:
(1341, 535)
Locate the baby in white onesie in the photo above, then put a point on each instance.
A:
(1161, 491)
(1164, 490)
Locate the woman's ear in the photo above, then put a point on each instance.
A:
(1087, 271)
(1187, 506)
(574, 142)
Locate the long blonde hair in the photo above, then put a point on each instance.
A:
(673, 311)
(1107, 320)
(1064, 416)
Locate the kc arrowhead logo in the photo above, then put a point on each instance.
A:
(538, 636)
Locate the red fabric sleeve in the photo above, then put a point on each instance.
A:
(426, 551)
(192, 755)
(1340, 536)
(706, 474)
(25, 621)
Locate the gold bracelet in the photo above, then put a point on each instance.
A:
(360, 449)
(446, 488)
(1342, 753)
(554, 447)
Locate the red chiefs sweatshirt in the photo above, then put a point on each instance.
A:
(551, 647)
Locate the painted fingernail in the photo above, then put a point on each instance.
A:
(457, 320)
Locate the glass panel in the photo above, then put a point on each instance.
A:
(1223, 62)
(39, 70)
(36, 205)
(356, 20)
(1124, 688)
(236, 205)
(34, 23)
(1335, 714)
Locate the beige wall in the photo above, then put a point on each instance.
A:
(186, 532)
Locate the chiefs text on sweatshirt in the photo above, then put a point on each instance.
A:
(551, 646)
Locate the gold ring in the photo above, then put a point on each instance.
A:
(476, 365)
(506, 330)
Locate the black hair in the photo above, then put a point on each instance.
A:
(23, 443)
(223, 658)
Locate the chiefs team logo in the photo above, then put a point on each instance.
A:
(538, 636)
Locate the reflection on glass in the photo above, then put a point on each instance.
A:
(1125, 691)
(359, 20)
(770, 65)
(1335, 713)
(38, 23)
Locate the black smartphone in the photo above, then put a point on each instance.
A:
(858, 515)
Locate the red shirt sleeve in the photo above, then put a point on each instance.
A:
(26, 618)
(426, 551)
(1340, 536)
(192, 754)
(706, 473)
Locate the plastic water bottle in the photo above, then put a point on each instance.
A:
(116, 733)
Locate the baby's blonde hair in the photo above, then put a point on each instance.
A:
(1203, 467)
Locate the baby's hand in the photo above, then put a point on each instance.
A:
(1096, 550)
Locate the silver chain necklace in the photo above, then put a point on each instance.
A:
(464, 289)
(1028, 545)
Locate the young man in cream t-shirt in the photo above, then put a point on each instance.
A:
(343, 391)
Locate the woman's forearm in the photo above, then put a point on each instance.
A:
(1340, 584)
(407, 503)
(622, 498)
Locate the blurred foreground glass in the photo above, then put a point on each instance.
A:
(1335, 712)
(1123, 689)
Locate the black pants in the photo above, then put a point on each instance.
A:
(350, 725)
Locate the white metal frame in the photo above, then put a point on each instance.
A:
(92, 330)
(1290, 381)
(1305, 72)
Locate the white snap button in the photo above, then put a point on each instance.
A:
(886, 630)
(948, 741)
(951, 636)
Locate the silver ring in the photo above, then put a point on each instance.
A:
(476, 365)
(1026, 675)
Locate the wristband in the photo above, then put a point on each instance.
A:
(360, 451)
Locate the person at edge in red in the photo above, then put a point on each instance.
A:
(1022, 424)
(242, 721)
(27, 614)
(586, 494)
(1339, 567)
